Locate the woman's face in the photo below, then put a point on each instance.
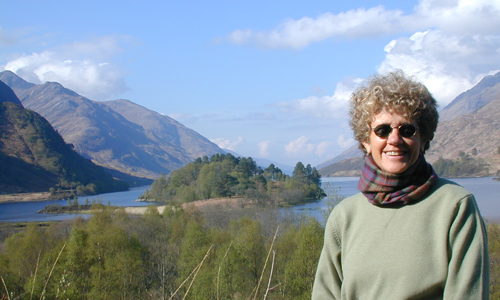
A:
(395, 153)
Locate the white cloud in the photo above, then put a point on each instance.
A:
(84, 67)
(452, 44)
(447, 65)
(302, 147)
(327, 107)
(299, 147)
(461, 17)
(453, 17)
(227, 144)
(264, 148)
(295, 34)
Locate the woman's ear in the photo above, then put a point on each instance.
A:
(367, 146)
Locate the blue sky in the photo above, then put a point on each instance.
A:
(268, 79)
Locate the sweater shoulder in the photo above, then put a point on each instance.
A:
(447, 190)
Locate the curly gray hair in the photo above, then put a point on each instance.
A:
(394, 92)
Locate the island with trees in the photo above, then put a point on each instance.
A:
(224, 175)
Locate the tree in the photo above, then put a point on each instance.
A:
(116, 260)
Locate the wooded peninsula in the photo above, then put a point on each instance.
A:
(224, 175)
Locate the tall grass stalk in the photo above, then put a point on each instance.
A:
(195, 272)
(220, 267)
(6, 290)
(194, 276)
(270, 276)
(34, 276)
(50, 273)
(265, 264)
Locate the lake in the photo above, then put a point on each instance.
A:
(27, 211)
(485, 189)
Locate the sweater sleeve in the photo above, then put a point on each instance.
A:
(468, 270)
(328, 280)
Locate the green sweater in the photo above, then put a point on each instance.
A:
(433, 249)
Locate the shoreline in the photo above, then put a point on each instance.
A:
(25, 197)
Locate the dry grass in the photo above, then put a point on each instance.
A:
(22, 197)
(233, 202)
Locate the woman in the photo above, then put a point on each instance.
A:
(408, 234)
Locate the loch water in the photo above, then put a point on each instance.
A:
(28, 211)
(485, 189)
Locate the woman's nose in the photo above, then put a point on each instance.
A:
(394, 137)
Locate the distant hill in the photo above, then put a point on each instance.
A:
(118, 135)
(35, 158)
(344, 168)
(352, 152)
(470, 124)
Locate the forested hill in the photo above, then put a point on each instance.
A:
(224, 175)
(35, 158)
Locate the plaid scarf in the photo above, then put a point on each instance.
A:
(384, 188)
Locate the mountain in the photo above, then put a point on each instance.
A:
(164, 128)
(470, 124)
(35, 158)
(8, 95)
(476, 133)
(472, 100)
(118, 135)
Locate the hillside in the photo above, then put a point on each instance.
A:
(118, 135)
(474, 133)
(468, 125)
(472, 100)
(34, 157)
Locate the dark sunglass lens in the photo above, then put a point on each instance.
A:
(383, 130)
(407, 130)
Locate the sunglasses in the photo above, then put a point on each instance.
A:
(405, 130)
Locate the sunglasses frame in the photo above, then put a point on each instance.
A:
(415, 127)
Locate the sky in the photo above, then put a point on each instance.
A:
(265, 79)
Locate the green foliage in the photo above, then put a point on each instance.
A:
(301, 267)
(464, 166)
(114, 256)
(224, 175)
(494, 252)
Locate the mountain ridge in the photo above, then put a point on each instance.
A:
(125, 143)
(35, 158)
